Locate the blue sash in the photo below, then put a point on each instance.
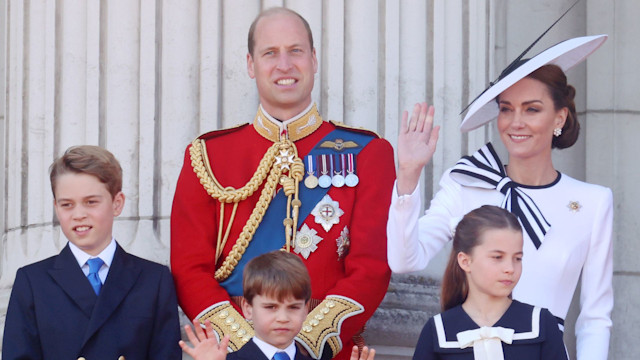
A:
(270, 234)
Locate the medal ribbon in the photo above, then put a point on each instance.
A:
(351, 164)
(339, 164)
(484, 170)
(324, 170)
(331, 173)
(310, 163)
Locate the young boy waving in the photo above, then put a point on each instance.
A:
(277, 289)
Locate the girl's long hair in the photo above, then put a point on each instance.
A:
(455, 287)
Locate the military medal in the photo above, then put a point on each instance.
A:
(325, 180)
(311, 181)
(327, 213)
(343, 243)
(351, 179)
(306, 242)
(338, 179)
(284, 160)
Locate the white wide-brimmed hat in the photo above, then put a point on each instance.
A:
(566, 55)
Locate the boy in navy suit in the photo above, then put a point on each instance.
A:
(93, 300)
(277, 289)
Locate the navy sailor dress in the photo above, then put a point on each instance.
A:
(524, 332)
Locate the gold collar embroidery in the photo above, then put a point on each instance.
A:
(297, 129)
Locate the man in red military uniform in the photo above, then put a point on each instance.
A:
(287, 181)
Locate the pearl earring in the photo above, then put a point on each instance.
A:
(557, 132)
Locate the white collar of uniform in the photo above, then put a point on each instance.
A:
(269, 350)
(106, 255)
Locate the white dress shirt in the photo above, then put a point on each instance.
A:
(106, 255)
(269, 350)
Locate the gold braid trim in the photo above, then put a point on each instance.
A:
(227, 321)
(288, 162)
(335, 344)
(231, 261)
(290, 186)
(202, 168)
(323, 324)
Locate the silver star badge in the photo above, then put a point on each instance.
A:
(327, 213)
(306, 241)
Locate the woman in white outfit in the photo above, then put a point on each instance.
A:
(566, 223)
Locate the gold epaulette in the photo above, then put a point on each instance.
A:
(354, 128)
(215, 133)
(322, 326)
(226, 320)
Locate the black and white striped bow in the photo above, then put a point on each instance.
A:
(483, 169)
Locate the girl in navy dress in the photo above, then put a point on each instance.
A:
(479, 319)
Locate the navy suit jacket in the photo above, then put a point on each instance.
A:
(54, 314)
(251, 351)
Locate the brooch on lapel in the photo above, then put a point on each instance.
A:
(574, 206)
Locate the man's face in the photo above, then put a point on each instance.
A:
(283, 65)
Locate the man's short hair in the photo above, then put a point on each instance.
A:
(273, 11)
(90, 160)
(277, 274)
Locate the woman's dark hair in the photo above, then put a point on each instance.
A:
(563, 96)
(467, 236)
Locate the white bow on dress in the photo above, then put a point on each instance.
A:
(486, 341)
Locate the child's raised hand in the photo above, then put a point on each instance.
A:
(366, 354)
(205, 346)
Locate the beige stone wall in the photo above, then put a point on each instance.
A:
(144, 77)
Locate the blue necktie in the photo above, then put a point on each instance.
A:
(95, 265)
(281, 355)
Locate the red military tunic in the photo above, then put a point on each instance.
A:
(360, 276)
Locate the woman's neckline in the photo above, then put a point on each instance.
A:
(543, 186)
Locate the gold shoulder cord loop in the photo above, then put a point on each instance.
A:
(279, 164)
(202, 168)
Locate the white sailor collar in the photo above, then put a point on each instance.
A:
(293, 129)
(524, 319)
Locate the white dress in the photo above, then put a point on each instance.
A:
(579, 241)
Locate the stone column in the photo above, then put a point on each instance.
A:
(613, 121)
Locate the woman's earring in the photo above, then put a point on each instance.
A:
(557, 132)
